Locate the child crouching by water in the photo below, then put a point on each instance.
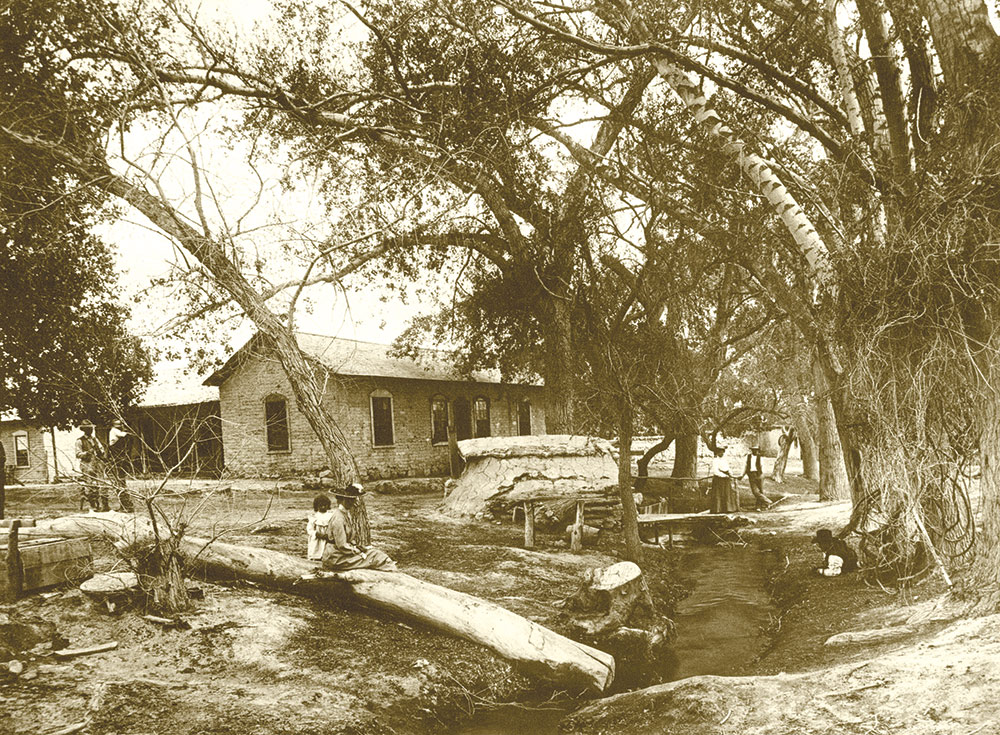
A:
(319, 518)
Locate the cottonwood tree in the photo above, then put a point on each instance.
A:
(84, 69)
(880, 172)
(65, 353)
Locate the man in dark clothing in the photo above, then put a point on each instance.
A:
(90, 454)
(839, 557)
(754, 473)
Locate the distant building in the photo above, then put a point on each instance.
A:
(394, 412)
(176, 429)
(29, 451)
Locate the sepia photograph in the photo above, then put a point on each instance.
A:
(499, 367)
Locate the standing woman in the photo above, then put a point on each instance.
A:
(342, 549)
(722, 482)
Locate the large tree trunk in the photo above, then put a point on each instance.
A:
(642, 466)
(964, 38)
(540, 651)
(807, 445)
(781, 461)
(984, 582)
(686, 456)
(560, 383)
(833, 480)
(630, 515)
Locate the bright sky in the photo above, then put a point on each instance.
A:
(144, 254)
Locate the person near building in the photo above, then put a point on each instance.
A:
(90, 454)
(724, 498)
(119, 446)
(838, 557)
(342, 552)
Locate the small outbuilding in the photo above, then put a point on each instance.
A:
(28, 447)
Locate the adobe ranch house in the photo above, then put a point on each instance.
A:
(394, 412)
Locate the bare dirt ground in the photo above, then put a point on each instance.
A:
(265, 662)
(939, 679)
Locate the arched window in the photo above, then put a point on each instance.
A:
(276, 423)
(382, 423)
(439, 420)
(21, 455)
(524, 418)
(481, 416)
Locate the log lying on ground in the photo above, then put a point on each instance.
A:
(876, 635)
(538, 650)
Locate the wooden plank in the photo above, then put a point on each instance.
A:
(669, 517)
(529, 524)
(64, 653)
(50, 562)
(576, 536)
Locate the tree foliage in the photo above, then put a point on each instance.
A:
(65, 353)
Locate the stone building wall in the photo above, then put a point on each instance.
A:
(243, 394)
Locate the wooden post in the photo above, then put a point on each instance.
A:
(55, 455)
(529, 524)
(15, 572)
(454, 458)
(576, 537)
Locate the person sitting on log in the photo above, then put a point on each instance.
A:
(839, 557)
(342, 552)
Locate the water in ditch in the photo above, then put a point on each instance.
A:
(721, 627)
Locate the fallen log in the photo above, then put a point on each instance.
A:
(876, 635)
(538, 650)
(64, 653)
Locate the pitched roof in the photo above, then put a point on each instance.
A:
(353, 357)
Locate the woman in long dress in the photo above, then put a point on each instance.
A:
(342, 552)
(724, 500)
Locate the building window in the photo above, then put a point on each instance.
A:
(439, 420)
(481, 416)
(524, 418)
(21, 450)
(382, 428)
(276, 421)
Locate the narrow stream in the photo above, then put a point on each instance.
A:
(721, 627)
(721, 624)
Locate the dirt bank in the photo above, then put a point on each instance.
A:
(938, 680)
